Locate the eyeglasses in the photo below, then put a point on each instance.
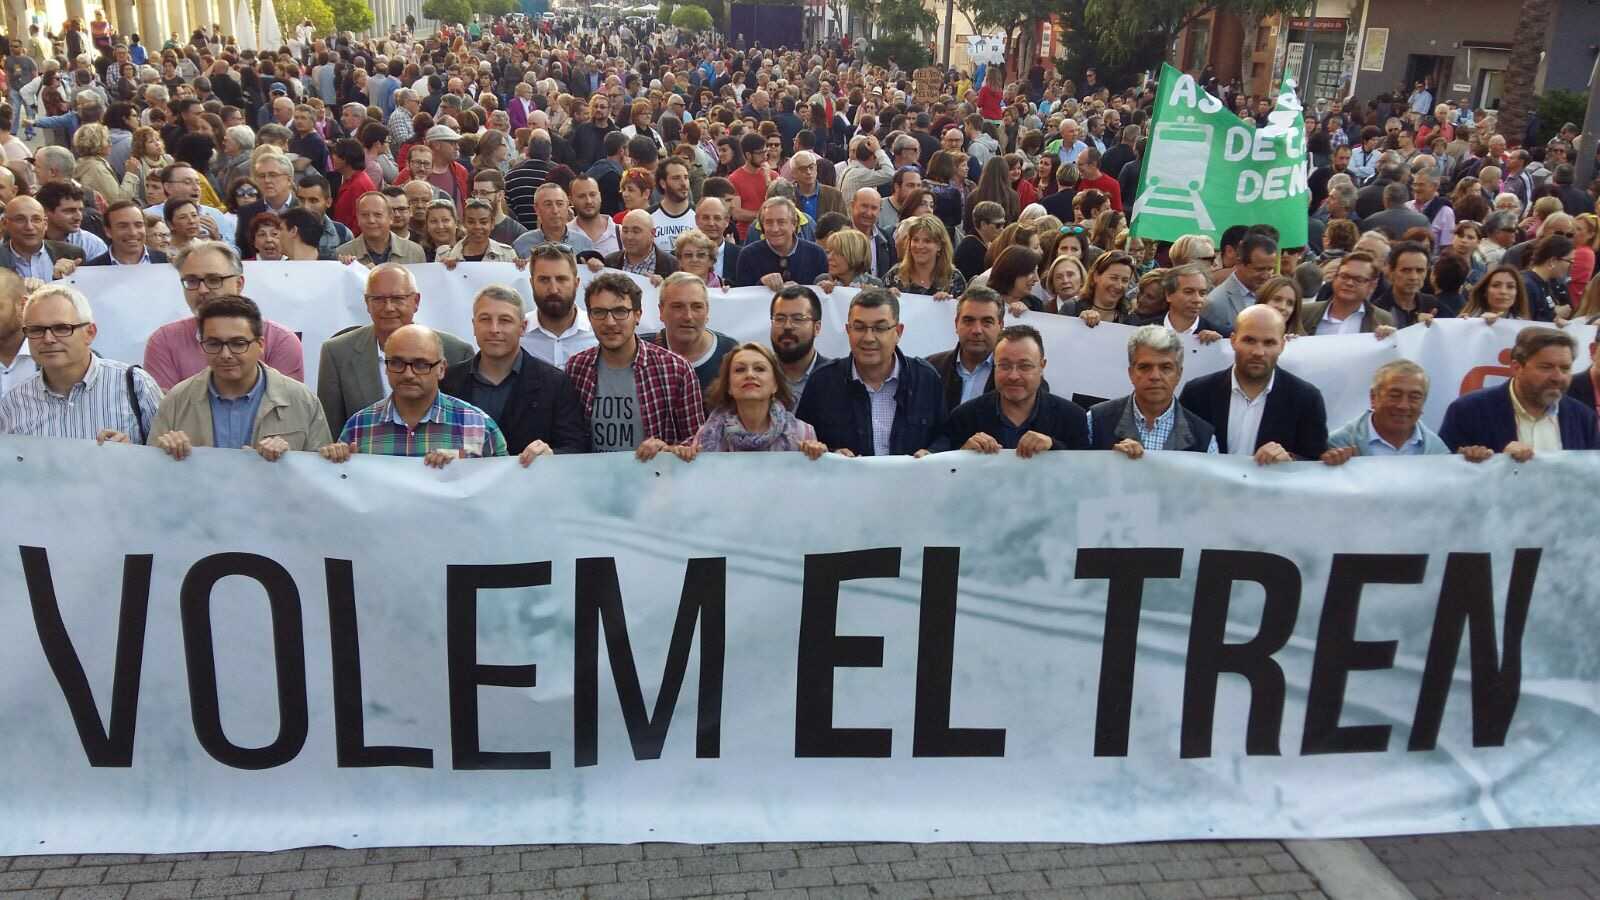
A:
(247, 192)
(397, 365)
(1074, 229)
(862, 328)
(613, 313)
(389, 299)
(60, 329)
(212, 282)
(1353, 279)
(783, 321)
(237, 346)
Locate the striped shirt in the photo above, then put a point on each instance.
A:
(98, 402)
(450, 424)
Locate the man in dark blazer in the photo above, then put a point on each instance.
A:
(1256, 408)
(1530, 413)
(967, 370)
(532, 401)
(1022, 414)
(25, 249)
(125, 225)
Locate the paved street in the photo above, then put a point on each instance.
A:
(1539, 864)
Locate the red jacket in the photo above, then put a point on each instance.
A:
(1105, 184)
(344, 205)
(460, 171)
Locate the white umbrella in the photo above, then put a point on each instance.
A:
(246, 25)
(271, 35)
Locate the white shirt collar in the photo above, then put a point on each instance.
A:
(578, 326)
(1193, 326)
(1233, 376)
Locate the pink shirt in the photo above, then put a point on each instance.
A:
(173, 352)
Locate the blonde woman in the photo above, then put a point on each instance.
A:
(848, 261)
(90, 144)
(926, 265)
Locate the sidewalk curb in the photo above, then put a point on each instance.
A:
(1347, 870)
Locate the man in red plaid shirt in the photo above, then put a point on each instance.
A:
(637, 396)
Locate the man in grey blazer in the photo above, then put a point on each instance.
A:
(350, 375)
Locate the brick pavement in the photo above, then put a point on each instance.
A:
(1260, 870)
(1536, 863)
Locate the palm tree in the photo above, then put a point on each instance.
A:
(1527, 46)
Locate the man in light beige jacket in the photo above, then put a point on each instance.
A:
(237, 402)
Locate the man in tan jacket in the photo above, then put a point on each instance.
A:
(237, 402)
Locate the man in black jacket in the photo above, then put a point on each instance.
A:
(967, 371)
(532, 401)
(1586, 385)
(1021, 414)
(1256, 408)
(877, 401)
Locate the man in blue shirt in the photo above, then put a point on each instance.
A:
(1393, 426)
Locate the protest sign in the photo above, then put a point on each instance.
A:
(229, 654)
(1206, 170)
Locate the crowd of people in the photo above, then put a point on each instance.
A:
(696, 167)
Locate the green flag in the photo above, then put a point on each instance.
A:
(1206, 170)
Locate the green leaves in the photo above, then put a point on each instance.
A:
(351, 15)
(691, 18)
(455, 11)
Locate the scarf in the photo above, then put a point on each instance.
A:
(724, 432)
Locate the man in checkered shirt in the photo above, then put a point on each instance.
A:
(637, 395)
(416, 419)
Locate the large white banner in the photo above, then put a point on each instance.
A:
(317, 300)
(226, 653)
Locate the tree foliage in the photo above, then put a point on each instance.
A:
(352, 15)
(457, 12)
(691, 18)
(495, 7)
(1527, 44)
(291, 12)
(1121, 27)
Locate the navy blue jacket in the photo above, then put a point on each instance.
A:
(1485, 418)
(1064, 421)
(1295, 415)
(836, 405)
(805, 265)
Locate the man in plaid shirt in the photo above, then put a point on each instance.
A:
(416, 419)
(637, 396)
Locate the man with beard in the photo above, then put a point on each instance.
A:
(1531, 413)
(554, 213)
(1256, 408)
(601, 230)
(796, 313)
(967, 371)
(558, 331)
(674, 215)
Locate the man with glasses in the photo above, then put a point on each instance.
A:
(877, 401)
(1500, 235)
(796, 313)
(27, 251)
(1350, 309)
(1019, 413)
(351, 373)
(637, 396)
(206, 270)
(274, 174)
(76, 393)
(1555, 225)
(238, 402)
(416, 418)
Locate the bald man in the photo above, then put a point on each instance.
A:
(416, 419)
(8, 185)
(16, 358)
(1256, 408)
(27, 252)
(639, 254)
